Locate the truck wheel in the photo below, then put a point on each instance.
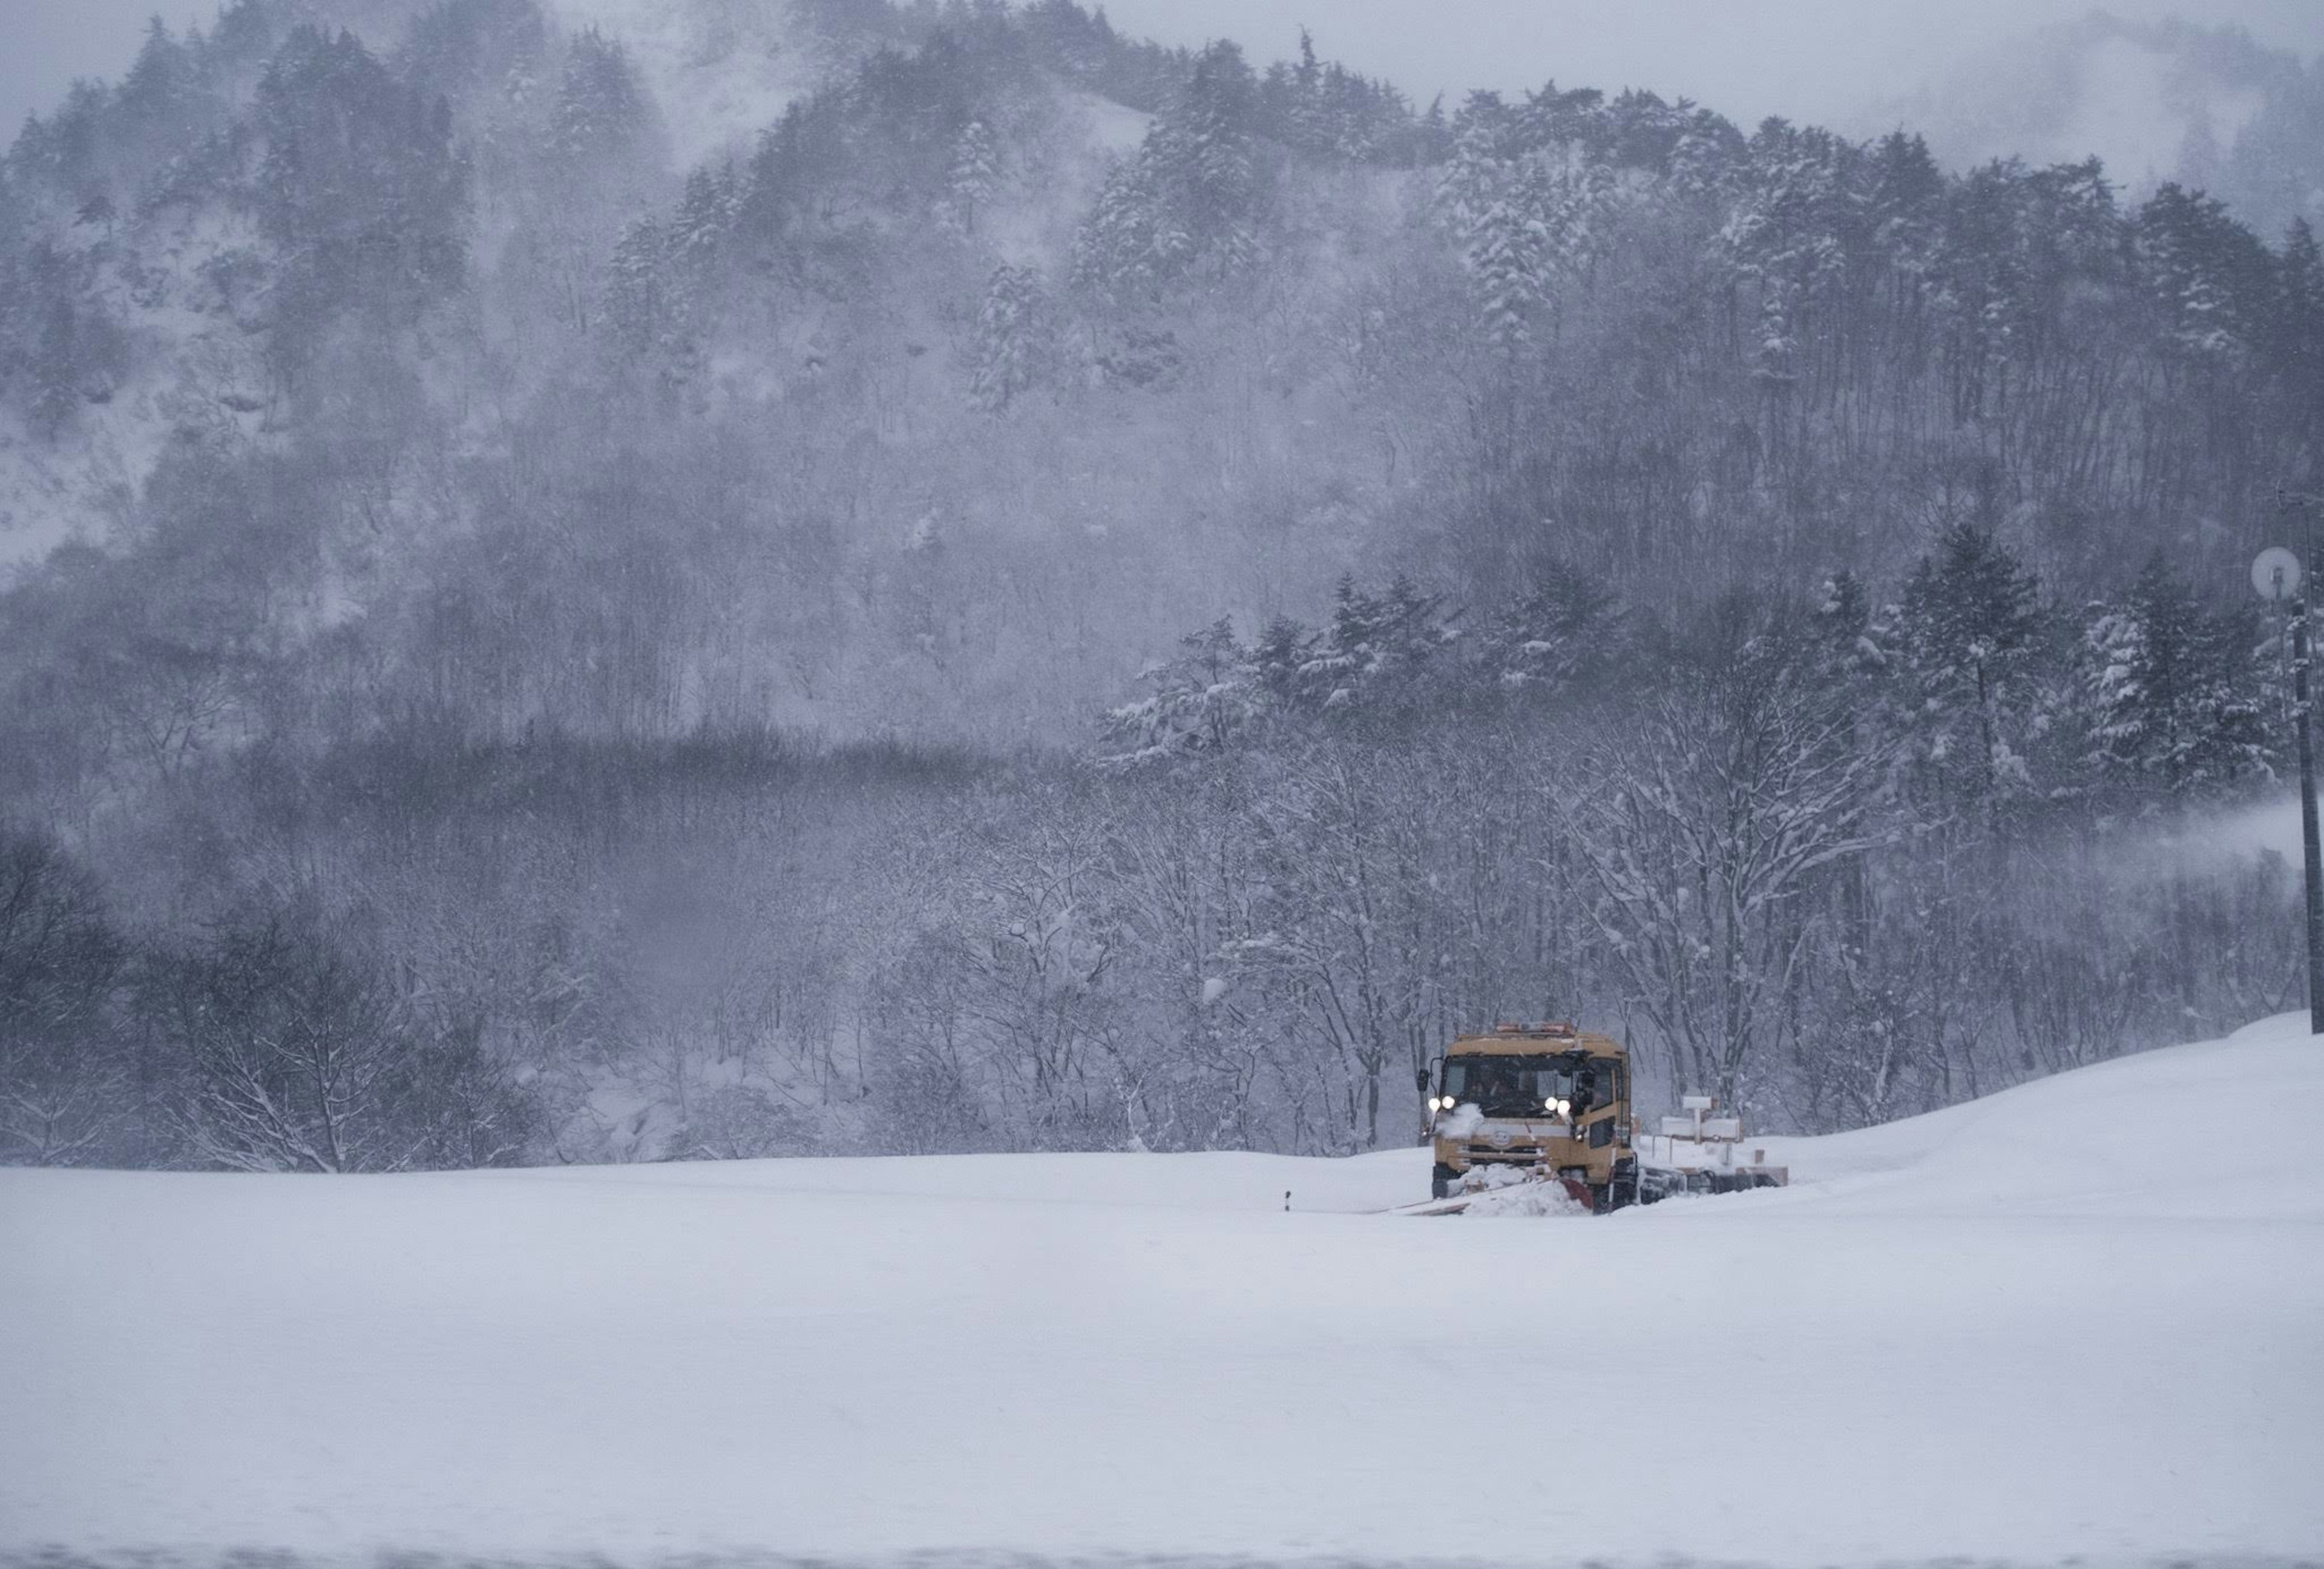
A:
(1441, 1182)
(1622, 1188)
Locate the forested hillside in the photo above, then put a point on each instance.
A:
(1068, 593)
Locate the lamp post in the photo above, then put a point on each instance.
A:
(2281, 578)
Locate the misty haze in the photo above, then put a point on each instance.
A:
(968, 783)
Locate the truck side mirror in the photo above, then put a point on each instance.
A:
(1420, 1080)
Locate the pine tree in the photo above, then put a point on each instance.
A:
(1379, 650)
(2174, 695)
(2295, 340)
(157, 96)
(642, 294)
(360, 188)
(601, 107)
(1431, 138)
(1505, 260)
(973, 178)
(1307, 129)
(38, 337)
(1565, 633)
(1206, 148)
(1280, 656)
(1970, 630)
(1009, 340)
(1700, 165)
(2209, 275)
(1202, 702)
(706, 214)
(55, 372)
(1120, 251)
(1187, 198)
(1845, 632)
(1905, 201)
(1474, 175)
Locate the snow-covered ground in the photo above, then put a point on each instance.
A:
(2082, 1319)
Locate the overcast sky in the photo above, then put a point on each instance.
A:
(1816, 60)
(1809, 60)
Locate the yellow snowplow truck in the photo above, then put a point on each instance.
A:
(1551, 1102)
(1549, 1098)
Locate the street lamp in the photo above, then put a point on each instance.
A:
(2278, 576)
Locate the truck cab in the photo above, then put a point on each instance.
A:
(1549, 1100)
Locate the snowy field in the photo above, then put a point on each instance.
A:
(2083, 1320)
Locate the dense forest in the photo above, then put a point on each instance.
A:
(1065, 594)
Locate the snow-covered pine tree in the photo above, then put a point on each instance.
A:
(1504, 259)
(2174, 694)
(159, 101)
(1970, 630)
(1474, 175)
(1005, 360)
(2209, 275)
(1281, 656)
(1206, 148)
(55, 372)
(1379, 649)
(641, 301)
(973, 180)
(601, 107)
(1852, 642)
(1905, 202)
(1188, 197)
(706, 214)
(1201, 702)
(1565, 632)
(360, 188)
(59, 344)
(1699, 166)
(1120, 254)
(2295, 336)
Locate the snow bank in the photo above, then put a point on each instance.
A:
(2076, 1320)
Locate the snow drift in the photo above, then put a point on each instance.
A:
(2076, 1319)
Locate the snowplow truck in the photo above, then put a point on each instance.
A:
(1551, 1103)
(1547, 1099)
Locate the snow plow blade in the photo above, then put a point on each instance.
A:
(1531, 1195)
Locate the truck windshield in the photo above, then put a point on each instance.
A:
(1519, 1086)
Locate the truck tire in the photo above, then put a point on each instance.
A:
(1441, 1181)
(1622, 1188)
